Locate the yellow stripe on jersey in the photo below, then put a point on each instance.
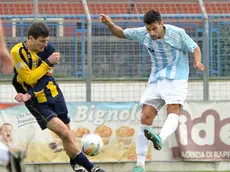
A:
(22, 68)
(53, 89)
(41, 96)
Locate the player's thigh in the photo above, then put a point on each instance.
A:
(58, 127)
(60, 109)
(174, 91)
(43, 113)
(152, 97)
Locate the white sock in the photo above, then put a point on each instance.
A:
(142, 145)
(169, 126)
(4, 154)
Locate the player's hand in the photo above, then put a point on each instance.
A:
(105, 19)
(198, 65)
(7, 63)
(21, 98)
(54, 58)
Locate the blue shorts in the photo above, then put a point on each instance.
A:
(44, 112)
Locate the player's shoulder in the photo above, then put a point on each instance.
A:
(50, 46)
(16, 47)
(142, 30)
(137, 30)
(172, 28)
(49, 49)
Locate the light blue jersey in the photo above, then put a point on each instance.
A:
(169, 56)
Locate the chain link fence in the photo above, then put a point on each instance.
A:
(120, 68)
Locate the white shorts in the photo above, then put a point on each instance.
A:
(165, 91)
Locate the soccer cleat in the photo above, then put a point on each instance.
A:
(139, 168)
(16, 161)
(78, 168)
(154, 138)
(97, 169)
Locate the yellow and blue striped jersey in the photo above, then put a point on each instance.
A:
(32, 72)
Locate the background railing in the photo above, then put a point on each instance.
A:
(117, 61)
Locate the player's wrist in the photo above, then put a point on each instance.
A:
(48, 62)
(197, 61)
(30, 94)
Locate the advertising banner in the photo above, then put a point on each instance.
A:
(116, 123)
(203, 133)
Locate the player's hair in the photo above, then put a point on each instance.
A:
(152, 16)
(4, 125)
(38, 29)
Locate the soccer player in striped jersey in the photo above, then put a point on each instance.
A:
(34, 60)
(168, 47)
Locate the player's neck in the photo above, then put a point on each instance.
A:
(28, 45)
(163, 33)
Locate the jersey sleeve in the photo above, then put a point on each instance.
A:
(137, 34)
(41, 84)
(29, 76)
(188, 45)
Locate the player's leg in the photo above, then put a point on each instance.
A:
(76, 156)
(150, 103)
(76, 167)
(43, 115)
(174, 96)
(171, 123)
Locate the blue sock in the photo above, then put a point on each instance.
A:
(83, 161)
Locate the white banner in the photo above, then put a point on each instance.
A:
(204, 132)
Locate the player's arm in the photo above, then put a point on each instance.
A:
(190, 46)
(41, 84)
(197, 59)
(29, 76)
(7, 67)
(116, 30)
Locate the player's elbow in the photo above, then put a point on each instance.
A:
(197, 50)
(121, 36)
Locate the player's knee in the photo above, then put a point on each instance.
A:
(174, 108)
(65, 135)
(146, 119)
(148, 114)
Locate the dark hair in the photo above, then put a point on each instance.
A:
(152, 17)
(4, 125)
(38, 29)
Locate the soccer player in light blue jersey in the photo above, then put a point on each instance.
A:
(168, 47)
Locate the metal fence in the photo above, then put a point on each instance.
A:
(100, 62)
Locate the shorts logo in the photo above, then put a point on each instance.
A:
(19, 65)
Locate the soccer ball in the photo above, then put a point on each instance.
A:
(91, 144)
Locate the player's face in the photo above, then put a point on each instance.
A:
(156, 30)
(6, 132)
(40, 43)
